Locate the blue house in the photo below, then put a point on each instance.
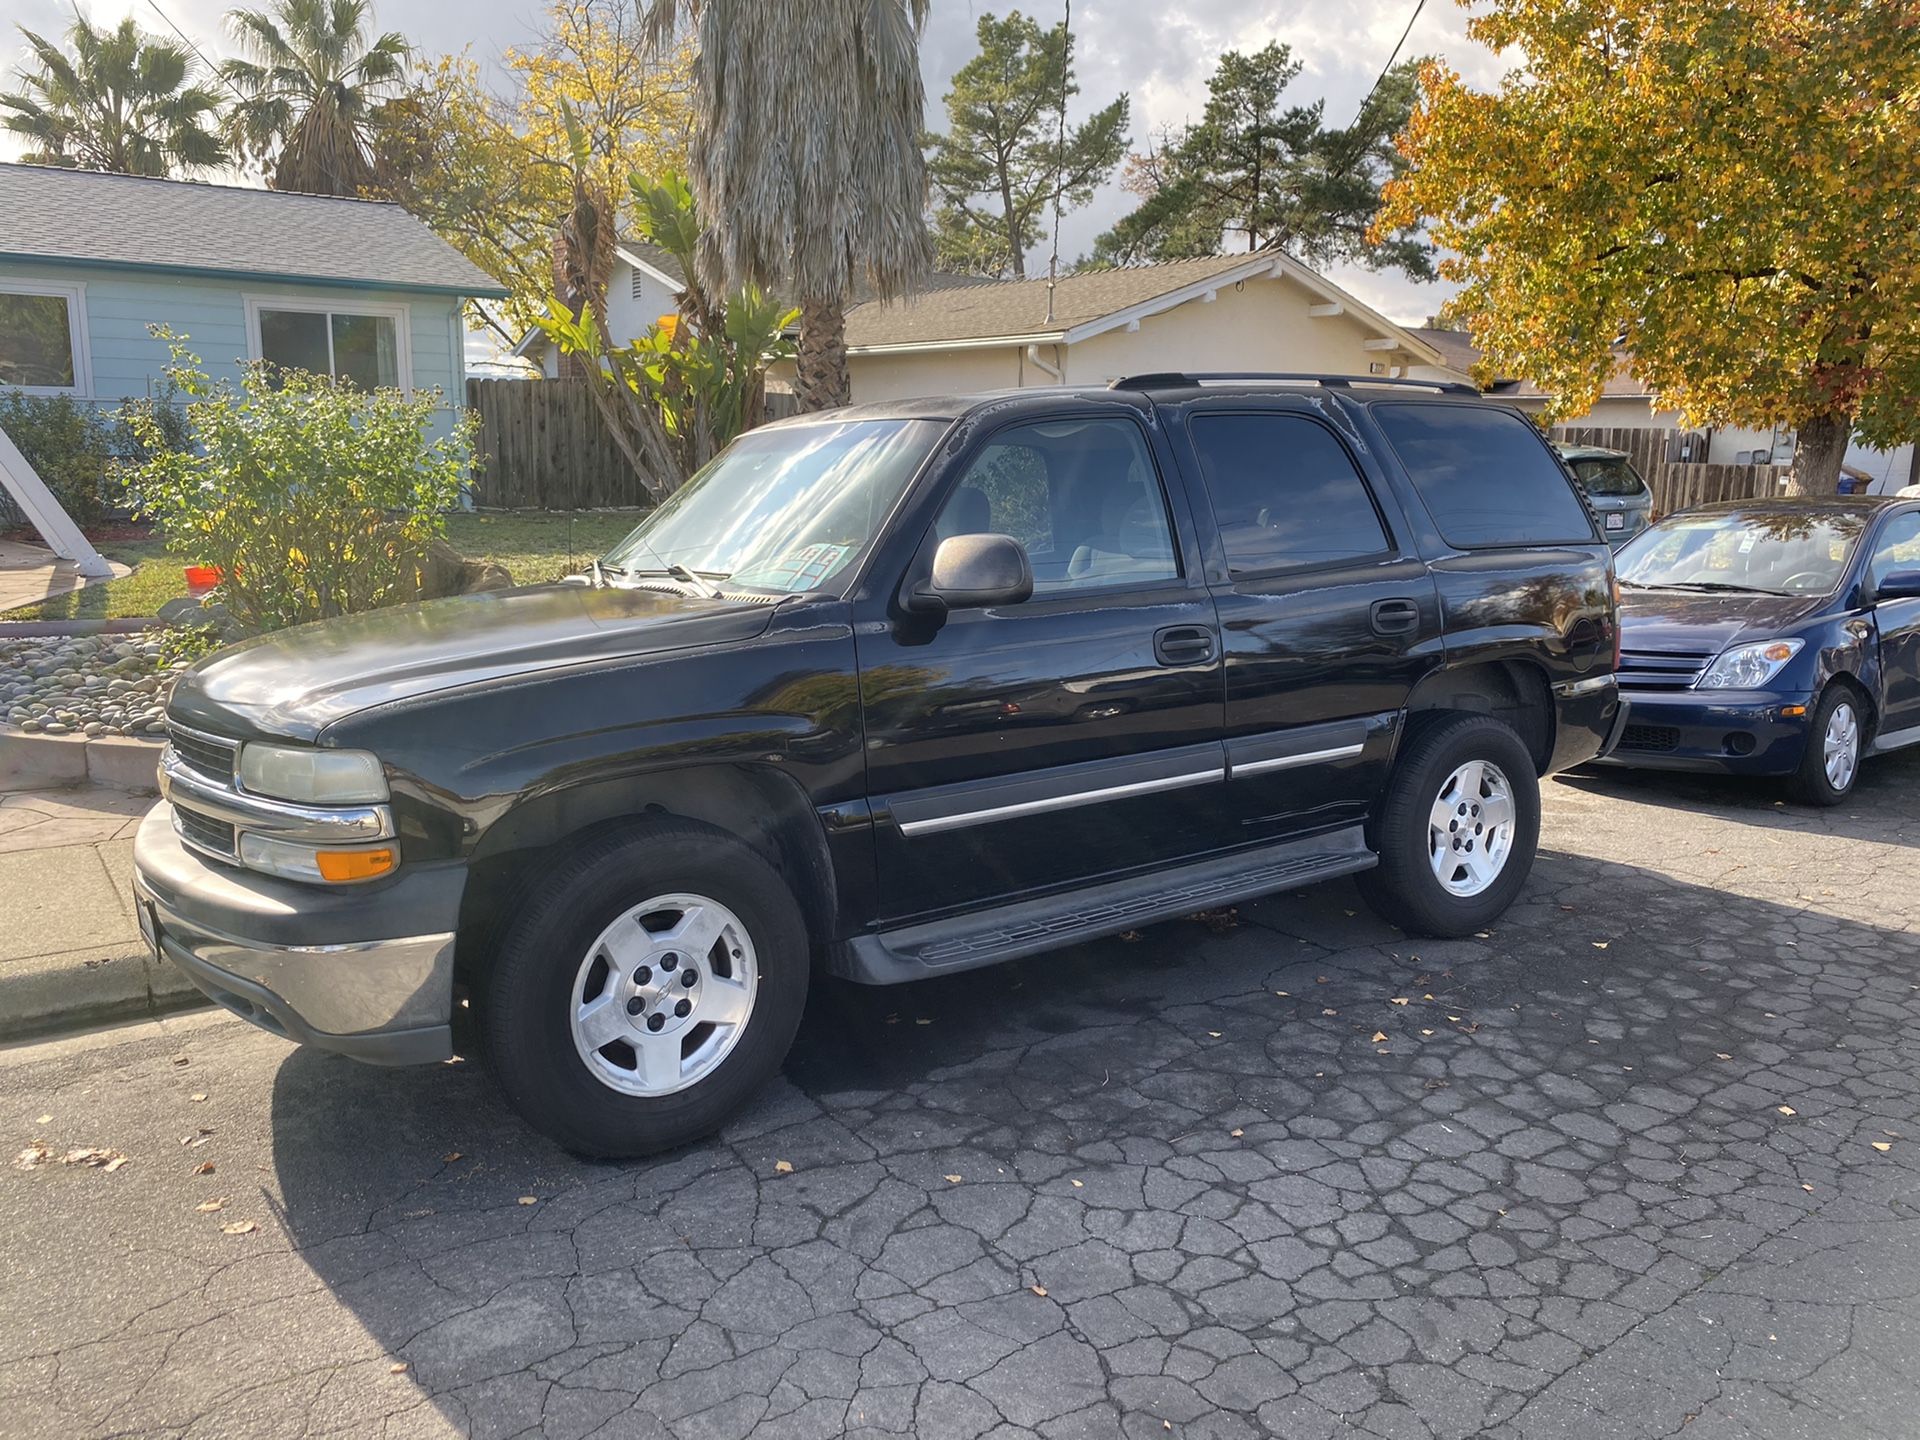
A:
(355, 288)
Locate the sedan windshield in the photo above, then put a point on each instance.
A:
(1773, 552)
(1608, 475)
(785, 509)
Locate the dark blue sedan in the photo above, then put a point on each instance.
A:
(1773, 637)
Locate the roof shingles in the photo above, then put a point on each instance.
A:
(84, 217)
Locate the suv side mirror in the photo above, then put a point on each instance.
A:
(972, 571)
(1900, 585)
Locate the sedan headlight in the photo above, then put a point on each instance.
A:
(1748, 667)
(313, 776)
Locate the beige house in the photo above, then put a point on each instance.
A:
(1262, 312)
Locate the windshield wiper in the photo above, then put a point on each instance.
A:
(1719, 587)
(673, 570)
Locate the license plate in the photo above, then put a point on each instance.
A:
(148, 930)
(1616, 521)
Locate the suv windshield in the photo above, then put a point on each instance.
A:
(1608, 475)
(1776, 552)
(785, 509)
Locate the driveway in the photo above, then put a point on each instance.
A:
(1639, 1162)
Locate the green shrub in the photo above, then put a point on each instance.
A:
(313, 498)
(69, 445)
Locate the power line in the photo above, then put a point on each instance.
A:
(212, 69)
(1360, 142)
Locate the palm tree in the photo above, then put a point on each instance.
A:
(314, 76)
(806, 158)
(118, 100)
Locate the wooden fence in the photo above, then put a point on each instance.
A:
(542, 445)
(1673, 463)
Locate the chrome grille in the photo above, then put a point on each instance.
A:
(1661, 669)
(209, 754)
(203, 832)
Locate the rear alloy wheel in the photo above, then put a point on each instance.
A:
(1834, 741)
(648, 988)
(1457, 830)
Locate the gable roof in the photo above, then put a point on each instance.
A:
(84, 217)
(1085, 304)
(1462, 355)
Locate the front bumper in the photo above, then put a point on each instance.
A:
(365, 970)
(1736, 732)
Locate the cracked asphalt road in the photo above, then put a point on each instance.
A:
(1291, 1176)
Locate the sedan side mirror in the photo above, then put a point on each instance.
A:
(1900, 585)
(973, 571)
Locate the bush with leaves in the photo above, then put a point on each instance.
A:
(313, 498)
(69, 445)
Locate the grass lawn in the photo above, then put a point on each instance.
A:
(534, 547)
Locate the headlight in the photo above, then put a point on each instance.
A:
(305, 862)
(313, 776)
(1748, 667)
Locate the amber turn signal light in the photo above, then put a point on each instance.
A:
(337, 866)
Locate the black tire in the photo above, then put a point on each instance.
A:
(526, 998)
(1405, 888)
(1810, 784)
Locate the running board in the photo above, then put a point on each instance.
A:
(1027, 927)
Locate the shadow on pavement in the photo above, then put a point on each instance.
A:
(1435, 1188)
(1882, 808)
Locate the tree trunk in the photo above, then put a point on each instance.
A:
(1819, 447)
(1913, 465)
(820, 362)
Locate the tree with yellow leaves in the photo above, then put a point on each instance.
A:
(1730, 187)
(496, 177)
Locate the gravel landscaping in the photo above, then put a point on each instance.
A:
(85, 684)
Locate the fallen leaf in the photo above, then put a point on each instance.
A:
(1807, 1188)
(38, 1153)
(205, 1167)
(1454, 1018)
(1214, 1034)
(1039, 1290)
(1721, 1055)
(1483, 934)
(239, 1227)
(199, 1099)
(953, 1179)
(1399, 1000)
(399, 1367)
(44, 1120)
(1079, 1184)
(449, 1157)
(1426, 997)
(1426, 1032)
(1378, 1036)
(1786, 1110)
(115, 1163)
(1281, 993)
(1329, 1012)
(1599, 944)
(783, 1167)
(1881, 1145)
(94, 1158)
(923, 1022)
(1319, 979)
(207, 1207)
(529, 1199)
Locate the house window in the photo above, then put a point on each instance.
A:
(41, 344)
(362, 347)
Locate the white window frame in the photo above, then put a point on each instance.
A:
(76, 297)
(400, 314)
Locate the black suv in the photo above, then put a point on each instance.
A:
(890, 692)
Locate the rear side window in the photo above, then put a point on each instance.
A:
(1285, 492)
(1486, 476)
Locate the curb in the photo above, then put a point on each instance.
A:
(31, 629)
(58, 994)
(51, 762)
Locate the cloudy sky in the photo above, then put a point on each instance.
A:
(1158, 53)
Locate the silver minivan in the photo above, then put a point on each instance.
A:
(1613, 487)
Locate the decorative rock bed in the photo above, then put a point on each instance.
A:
(89, 685)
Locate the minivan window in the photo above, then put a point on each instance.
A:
(1486, 476)
(1083, 497)
(1608, 475)
(1285, 492)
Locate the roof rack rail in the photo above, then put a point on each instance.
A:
(1171, 379)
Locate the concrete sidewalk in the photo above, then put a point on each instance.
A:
(70, 949)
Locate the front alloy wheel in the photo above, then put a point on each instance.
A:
(650, 983)
(1836, 736)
